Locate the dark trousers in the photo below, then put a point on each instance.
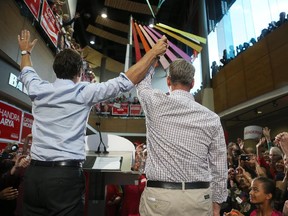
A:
(56, 191)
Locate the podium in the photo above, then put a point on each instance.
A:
(97, 178)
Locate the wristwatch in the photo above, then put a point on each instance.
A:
(25, 52)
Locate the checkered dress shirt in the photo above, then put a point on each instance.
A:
(185, 140)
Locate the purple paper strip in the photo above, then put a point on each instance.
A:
(171, 56)
(173, 46)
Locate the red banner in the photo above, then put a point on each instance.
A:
(26, 126)
(49, 23)
(10, 122)
(135, 110)
(34, 7)
(123, 110)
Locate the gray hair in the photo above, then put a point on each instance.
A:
(276, 150)
(181, 71)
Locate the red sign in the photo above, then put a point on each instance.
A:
(10, 122)
(49, 23)
(2, 147)
(34, 7)
(26, 125)
(135, 110)
(123, 110)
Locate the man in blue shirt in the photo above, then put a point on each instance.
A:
(54, 182)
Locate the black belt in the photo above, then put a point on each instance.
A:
(65, 163)
(178, 185)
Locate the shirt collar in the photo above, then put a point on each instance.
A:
(61, 82)
(183, 93)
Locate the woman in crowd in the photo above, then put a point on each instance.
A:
(233, 152)
(262, 195)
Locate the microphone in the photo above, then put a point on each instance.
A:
(101, 141)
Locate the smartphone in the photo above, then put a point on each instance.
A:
(244, 157)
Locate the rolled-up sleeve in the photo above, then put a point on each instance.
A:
(218, 165)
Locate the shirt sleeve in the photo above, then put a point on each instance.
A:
(97, 92)
(218, 166)
(27, 75)
(144, 88)
(31, 81)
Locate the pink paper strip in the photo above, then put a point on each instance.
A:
(171, 56)
(174, 47)
(164, 62)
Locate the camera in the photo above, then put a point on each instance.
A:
(244, 157)
(8, 153)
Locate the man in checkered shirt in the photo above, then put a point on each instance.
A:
(186, 165)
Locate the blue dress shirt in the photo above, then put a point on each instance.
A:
(61, 109)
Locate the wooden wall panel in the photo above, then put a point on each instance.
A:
(119, 125)
(234, 66)
(260, 69)
(277, 38)
(279, 60)
(236, 91)
(11, 24)
(219, 78)
(259, 78)
(257, 51)
(220, 93)
(136, 126)
(113, 125)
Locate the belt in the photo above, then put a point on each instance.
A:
(178, 185)
(65, 163)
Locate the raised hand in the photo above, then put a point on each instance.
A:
(22, 161)
(24, 41)
(161, 46)
(233, 212)
(261, 142)
(241, 143)
(282, 140)
(285, 208)
(8, 193)
(266, 133)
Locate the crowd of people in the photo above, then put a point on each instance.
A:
(13, 162)
(188, 166)
(229, 55)
(257, 180)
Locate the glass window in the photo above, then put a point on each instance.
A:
(261, 15)
(244, 20)
(214, 54)
(198, 74)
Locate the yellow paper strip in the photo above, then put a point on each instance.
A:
(190, 36)
(188, 43)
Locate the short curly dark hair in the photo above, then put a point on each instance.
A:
(67, 64)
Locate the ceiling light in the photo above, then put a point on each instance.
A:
(92, 40)
(151, 22)
(258, 112)
(104, 13)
